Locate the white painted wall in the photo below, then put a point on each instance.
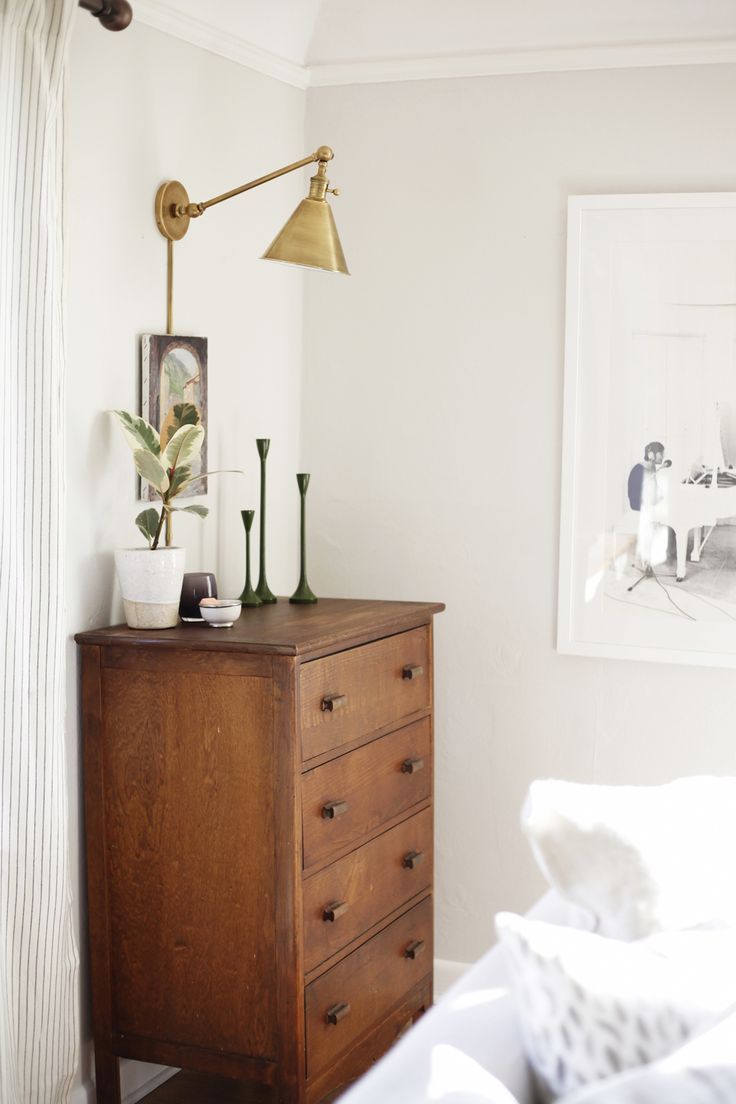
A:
(141, 108)
(432, 405)
(432, 425)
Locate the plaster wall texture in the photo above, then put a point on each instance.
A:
(432, 423)
(143, 107)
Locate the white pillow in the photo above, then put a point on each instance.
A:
(640, 858)
(590, 1007)
(703, 1071)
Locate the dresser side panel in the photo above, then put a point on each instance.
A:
(290, 942)
(191, 839)
(106, 1063)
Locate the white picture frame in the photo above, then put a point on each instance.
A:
(648, 535)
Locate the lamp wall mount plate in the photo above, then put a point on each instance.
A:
(171, 196)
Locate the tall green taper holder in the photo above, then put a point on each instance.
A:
(249, 596)
(262, 588)
(303, 592)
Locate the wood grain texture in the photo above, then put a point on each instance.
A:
(372, 881)
(106, 1063)
(287, 876)
(375, 929)
(191, 847)
(371, 980)
(282, 629)
(370, 681)
(374, 786)
(203, 1060)
(197, 1088)
(179, 661)
(330, 1085)
(208, 853)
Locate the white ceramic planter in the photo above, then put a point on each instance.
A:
(151, 585)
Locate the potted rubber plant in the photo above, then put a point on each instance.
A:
(151, 577)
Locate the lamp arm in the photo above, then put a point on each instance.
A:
(174, 210)
(323, 155)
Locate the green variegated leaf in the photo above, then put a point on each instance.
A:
(183, 413)
(179, 479)
(200, 511)
(205, 475)
(147, 522)
(138, 433)
(183, 446)
(149, 467)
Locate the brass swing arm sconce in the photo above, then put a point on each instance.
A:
(309, 238)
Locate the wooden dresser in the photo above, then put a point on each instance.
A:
(259, 846)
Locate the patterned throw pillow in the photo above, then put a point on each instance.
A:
(701, 1072)
(641, 859)
(591, 1007)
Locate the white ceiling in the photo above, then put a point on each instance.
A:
(338, 41)
(360, 30)
(310, 32)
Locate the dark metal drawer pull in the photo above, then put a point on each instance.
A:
(415, 948)
(412, 671)
(413, 859)
(334, 809)
(411, 766)
(336, 1013)
(330, 702)
(335, 910)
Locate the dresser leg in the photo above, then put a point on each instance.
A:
(107, 1077)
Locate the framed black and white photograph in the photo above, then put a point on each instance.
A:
(648, 520)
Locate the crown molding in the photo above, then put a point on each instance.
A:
(163, 17)
(504, 63)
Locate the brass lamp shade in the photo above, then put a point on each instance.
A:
(309, 238)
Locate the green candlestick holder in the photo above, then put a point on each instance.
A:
(262, 588)
(249, 596)
(303, 592)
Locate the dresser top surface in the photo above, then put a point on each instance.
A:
(282, 628)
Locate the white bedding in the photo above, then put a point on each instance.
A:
(639, 860)
(467, 1048)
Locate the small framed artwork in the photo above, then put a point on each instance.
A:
(648, 521)
(174, 393)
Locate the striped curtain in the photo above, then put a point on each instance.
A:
(38, 956)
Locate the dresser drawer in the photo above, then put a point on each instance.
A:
(352, 996)
(347, 898)
(351, 694)
(349, 797)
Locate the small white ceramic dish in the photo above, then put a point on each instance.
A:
(221, 613)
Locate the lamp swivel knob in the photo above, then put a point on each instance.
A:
(333, 191)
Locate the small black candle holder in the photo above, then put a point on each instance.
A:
(249, 596)
(303, 592)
